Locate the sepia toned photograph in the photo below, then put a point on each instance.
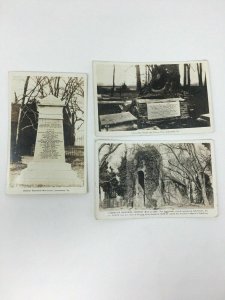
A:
(142, 179)
(47, 133)
(142, 98)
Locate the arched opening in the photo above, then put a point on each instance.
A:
(141, 179)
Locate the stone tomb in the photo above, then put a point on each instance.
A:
(48, 167)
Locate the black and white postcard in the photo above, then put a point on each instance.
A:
(47, 133)
(152, 98)
(161, 179)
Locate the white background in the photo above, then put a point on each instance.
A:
(51, 247)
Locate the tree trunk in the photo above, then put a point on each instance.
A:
(19, 125)
(16, 98)
(73, 129)
(188, 74)
(56, 86)
(191, 193)
(200, 80)
(138, 76)
(185, 77)
(162, 189)
(113, 87)
(203, 189)
(205, 82)
(199, 69)
(146, 75)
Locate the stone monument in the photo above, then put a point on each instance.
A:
(48, 167)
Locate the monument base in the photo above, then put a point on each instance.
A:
(49, 174)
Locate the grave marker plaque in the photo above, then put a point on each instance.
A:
(163, 110)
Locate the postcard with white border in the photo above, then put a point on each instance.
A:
(152, 98)
(47, 151)
(155, 179)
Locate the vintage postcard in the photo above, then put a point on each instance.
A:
(157, 179)
(47, 133)
(152, 98)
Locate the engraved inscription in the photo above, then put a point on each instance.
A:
(49, 145)
(50, 140)
(163, 110)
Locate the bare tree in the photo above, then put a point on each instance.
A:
(109, 148)
(19, 129)
(113, 87)
(138, 78)
(187, 162)
(107, 176)
(67, 89)
(187, 76)
(199, 69)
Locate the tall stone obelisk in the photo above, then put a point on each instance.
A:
(48, 167)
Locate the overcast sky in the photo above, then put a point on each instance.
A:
(126, 72)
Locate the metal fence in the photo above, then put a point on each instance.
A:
(79, 138)
(74, 151)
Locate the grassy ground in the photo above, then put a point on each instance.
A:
(77, 165)
(15, 170)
